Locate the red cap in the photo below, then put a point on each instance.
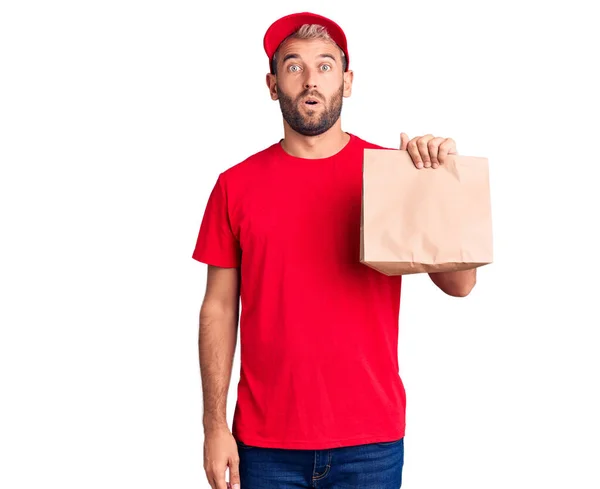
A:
(282, 28)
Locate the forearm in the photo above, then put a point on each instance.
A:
(216, 347)
(457, 284)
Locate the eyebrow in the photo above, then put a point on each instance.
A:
(297, 56)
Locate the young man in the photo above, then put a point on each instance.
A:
(320, 400)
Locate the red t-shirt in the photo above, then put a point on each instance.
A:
(318, 329)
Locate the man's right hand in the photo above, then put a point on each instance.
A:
(220, 452)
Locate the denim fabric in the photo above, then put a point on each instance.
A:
(369, 466)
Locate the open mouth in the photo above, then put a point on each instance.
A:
(311, 102)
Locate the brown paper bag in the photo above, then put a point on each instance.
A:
(424, 220)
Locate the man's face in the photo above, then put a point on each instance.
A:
(310, 85)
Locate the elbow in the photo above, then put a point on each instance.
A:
(456, 284)
(461, 291)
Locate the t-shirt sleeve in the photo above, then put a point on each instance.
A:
(216, 244)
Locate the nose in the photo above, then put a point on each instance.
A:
(310, 79)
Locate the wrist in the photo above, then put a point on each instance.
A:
(215, 425)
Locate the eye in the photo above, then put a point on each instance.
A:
(326, 66)
(291, 68)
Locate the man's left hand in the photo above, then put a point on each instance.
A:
(428, 151)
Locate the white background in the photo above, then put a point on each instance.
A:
(116, 119)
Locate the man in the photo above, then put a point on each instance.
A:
(320, 400)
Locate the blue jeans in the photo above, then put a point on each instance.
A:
(369, 466)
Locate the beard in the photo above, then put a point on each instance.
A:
(309, 125)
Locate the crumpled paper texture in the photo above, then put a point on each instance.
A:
(425, 220)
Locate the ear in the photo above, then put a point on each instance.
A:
(348, 79)
(272, 84)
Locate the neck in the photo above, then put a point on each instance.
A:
(322, 146)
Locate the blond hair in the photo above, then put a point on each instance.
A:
(308, 31)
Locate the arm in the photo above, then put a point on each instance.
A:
(217, 341)
(457, 284)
